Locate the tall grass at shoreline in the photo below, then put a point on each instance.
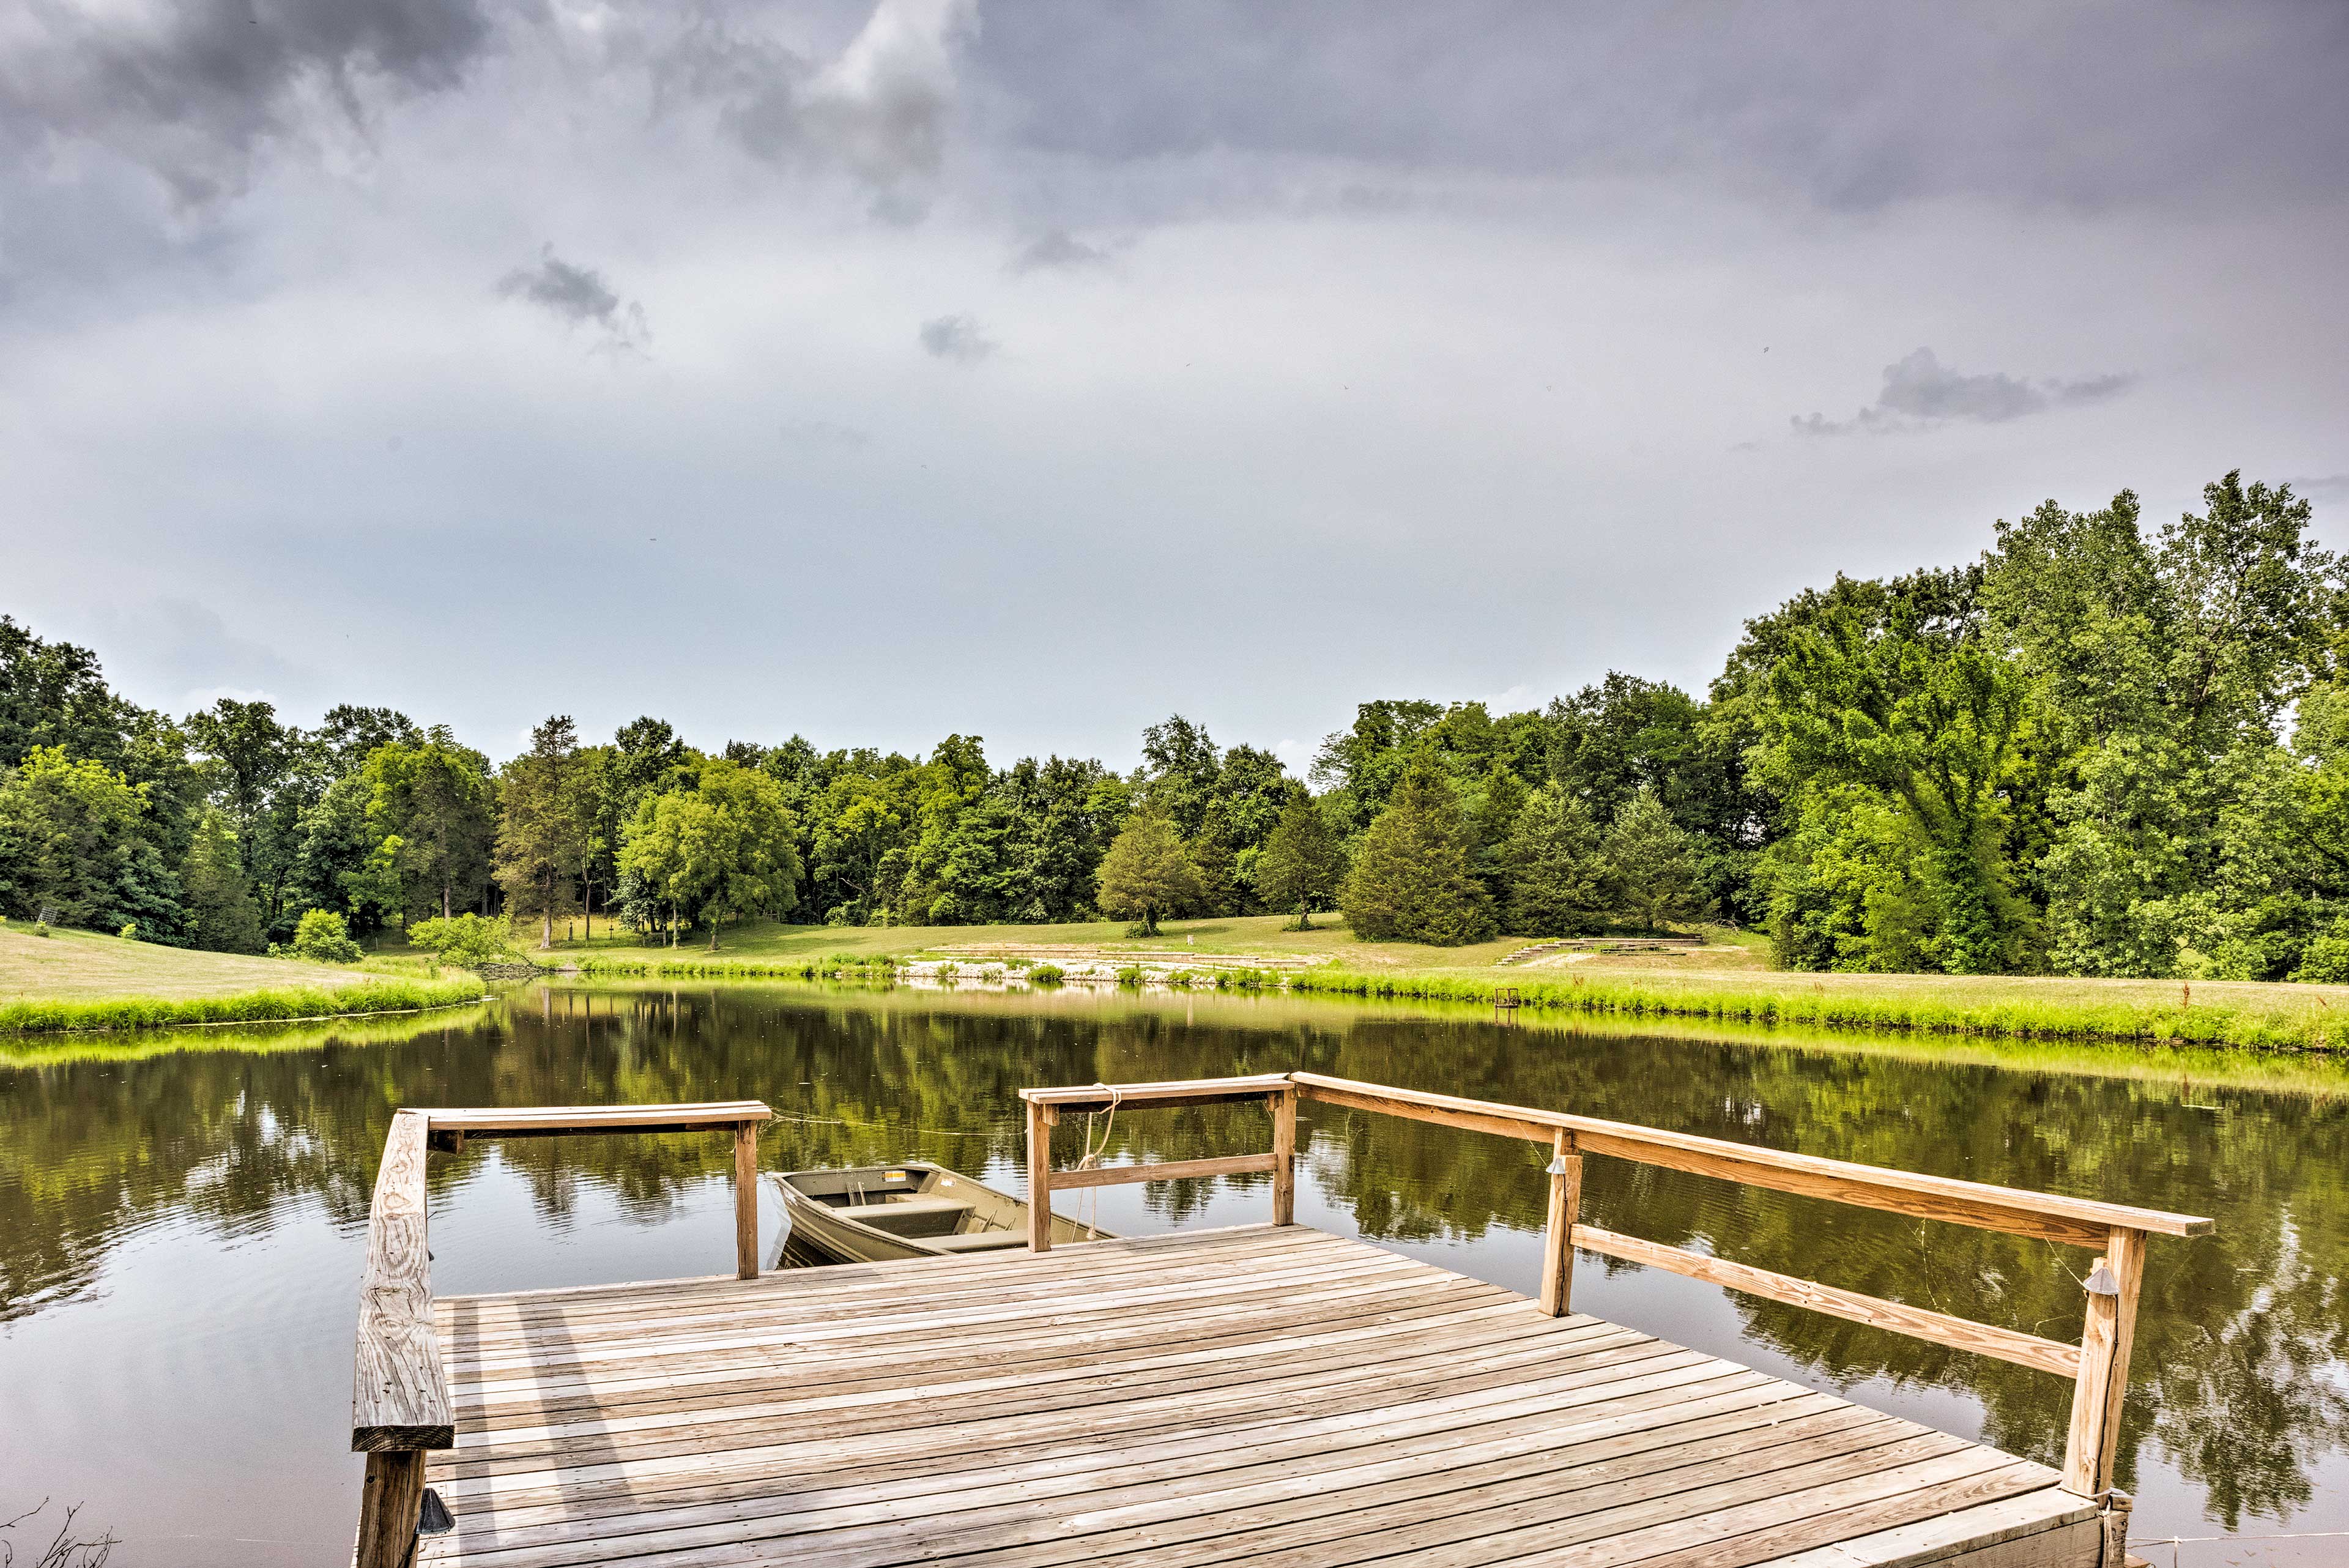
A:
(2020, 1018)
(2224, 1019)
(275, 1004)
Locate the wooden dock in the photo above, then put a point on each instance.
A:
(1260, 1393)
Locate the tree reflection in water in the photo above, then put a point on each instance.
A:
(2240, 1368)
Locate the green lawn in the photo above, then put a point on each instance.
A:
(1248, 935)
(86, 966)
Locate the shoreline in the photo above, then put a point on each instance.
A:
(2213, 1024)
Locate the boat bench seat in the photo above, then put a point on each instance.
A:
(911, 1209)
(977, 1241)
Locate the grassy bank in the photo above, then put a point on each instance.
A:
(276, 1004)
(84, 980)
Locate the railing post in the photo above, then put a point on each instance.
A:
(2105, 1344)
(1557, 1238)
(1039, 1177)
(391, 1499)
(1284, 1158)
(746, 1200)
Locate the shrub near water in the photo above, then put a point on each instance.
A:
(244, 1007)
(323, 937)
(469, 940)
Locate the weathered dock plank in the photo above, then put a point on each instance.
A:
(1264, 1394)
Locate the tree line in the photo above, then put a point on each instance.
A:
(2099, 748)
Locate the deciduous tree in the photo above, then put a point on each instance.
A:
(546, 826)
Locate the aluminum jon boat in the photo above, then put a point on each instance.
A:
(880, 1213)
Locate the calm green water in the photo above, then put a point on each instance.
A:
(182, 1222)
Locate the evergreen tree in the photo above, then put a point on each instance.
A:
(1559, 882)
(1301, 864)
(1414, 877)
(1492, 819)
(222, 914)
(1147, 873)
(1652, 864)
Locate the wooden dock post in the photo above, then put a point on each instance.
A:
(1558, 1240)
(746, 1200)
(1284, 1158)
(1039, 1177)
(2103, 1382)
(389, 1501)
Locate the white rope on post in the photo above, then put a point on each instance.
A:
(1093, 1156)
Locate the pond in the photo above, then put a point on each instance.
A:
(182, 1217)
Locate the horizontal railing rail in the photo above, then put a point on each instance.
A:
(2098, 1365)
(400, 1400)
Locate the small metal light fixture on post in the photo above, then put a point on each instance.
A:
(1565, 1172)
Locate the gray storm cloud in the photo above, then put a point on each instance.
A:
(882, 110)
(1852, 106)
(1920, 392)
(194, 90)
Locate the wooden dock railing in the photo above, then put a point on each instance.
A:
(400, 1399)
(2098, 1365)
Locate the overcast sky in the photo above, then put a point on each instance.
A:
(1038, 369)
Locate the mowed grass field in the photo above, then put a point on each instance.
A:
(1726, 979)
(86, 966)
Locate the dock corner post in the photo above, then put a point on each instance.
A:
(746, 1200)
(1284, 1157)
(391, 1501)
(2114, 1520)
(1557, 1238)
(1039, 1177)
(2105, 1344)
